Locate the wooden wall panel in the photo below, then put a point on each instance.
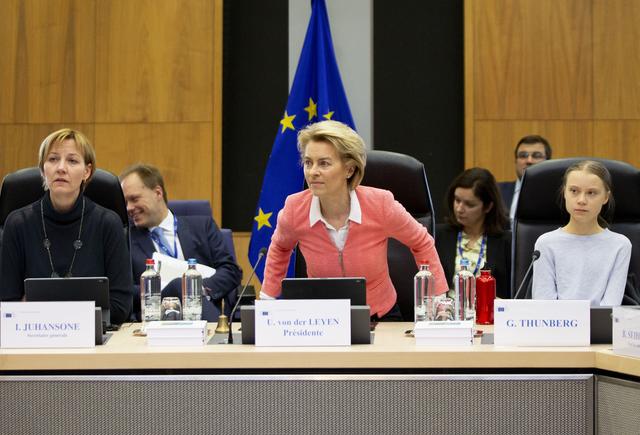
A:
(616, 48)
(144, 75)
(532, 59)
(154, 61)
(619, 140)
(9, 24)
(47, 61)
(496, 141)
(565, 69)
(182, 151)
(241, 244)
(19, 143)
(216, 104)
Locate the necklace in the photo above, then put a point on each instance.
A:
(77, 244)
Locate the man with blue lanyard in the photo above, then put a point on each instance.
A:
(156, 229)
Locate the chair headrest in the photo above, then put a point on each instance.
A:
(190, 207)
(105, 189)
(19, 189)
(539, 194)
(22, 187)
(401, 174)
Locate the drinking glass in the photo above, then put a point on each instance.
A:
(170, 309)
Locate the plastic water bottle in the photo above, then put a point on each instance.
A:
(150, 292)
(423, 291)
(464, 284)
(191, 292)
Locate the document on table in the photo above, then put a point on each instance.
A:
(172, 268)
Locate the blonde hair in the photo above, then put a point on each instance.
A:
(345, 140)
(82, 143)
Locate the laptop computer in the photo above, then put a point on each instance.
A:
(93, 288)
(353, 289)
(601, 325)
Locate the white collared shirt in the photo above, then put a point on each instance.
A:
(168, 231)
(514, 201)
(338, 236)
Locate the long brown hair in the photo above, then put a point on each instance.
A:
(600, 171)
(484, 186)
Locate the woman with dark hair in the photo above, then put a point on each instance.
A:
(583, 259)
(476, 229)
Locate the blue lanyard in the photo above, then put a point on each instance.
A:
(480, 254)
(162, 246)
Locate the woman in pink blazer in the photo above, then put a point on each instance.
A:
(342, 228)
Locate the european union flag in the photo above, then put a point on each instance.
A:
(316, 95)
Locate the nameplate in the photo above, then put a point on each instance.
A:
(626, 331)
(541, 323)
(26, 325)
(303, 322)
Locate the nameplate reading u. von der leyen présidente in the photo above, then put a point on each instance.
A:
(303, 322)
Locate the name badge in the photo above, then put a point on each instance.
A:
(25, 325)
(541, 323)
(302, 322)
(626, 331)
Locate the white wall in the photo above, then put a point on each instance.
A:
(352, 32)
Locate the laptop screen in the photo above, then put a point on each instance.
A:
(70, 289)
(353, 289)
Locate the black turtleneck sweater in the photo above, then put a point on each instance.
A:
(103, 253)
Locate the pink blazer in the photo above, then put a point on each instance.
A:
(364, 253)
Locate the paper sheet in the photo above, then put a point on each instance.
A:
(173, 268)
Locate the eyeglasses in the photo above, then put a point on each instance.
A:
(536, 155)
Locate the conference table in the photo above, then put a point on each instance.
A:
(390, 386)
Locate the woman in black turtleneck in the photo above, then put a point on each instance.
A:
(65, 233)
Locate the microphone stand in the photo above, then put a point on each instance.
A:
(261, 254)
(534, 257)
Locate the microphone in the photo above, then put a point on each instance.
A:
(261, 254)
(534, 257)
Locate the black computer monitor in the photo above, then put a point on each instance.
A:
(352, 288)
(91, 288)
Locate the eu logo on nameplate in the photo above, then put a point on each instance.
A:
(302, 322)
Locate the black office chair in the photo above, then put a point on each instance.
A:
(202, 207)
(22, 187)
(406, 178)
(539, 211)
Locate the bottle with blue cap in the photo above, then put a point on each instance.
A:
(464, 284)
(192, 292)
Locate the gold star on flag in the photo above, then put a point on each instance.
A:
(263, 218)
(327, 115)
(287, 122)
(311, 109)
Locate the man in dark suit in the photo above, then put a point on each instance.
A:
(156, 228)
(530, 150)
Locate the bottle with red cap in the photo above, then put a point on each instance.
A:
(150, 292)
(485, 295)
